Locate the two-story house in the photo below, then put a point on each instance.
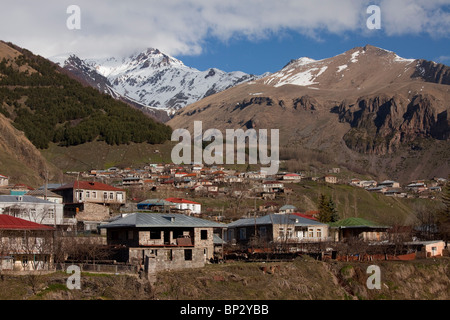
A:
(33, 209)
(25, 245)
(90, 203)
(163, 241)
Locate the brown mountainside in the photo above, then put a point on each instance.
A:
(19, 158)
(367, 109)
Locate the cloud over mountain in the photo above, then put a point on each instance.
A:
(181, 26)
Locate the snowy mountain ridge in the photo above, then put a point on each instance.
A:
(152, 78)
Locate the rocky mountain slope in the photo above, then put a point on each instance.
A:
(368, 108)
(151, 79)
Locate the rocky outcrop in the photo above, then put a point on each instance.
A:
(381, 123)
(432, 72)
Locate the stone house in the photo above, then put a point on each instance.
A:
(276, 228)
(358, 228)
(92, 192)
(162, 241)
(90, 203)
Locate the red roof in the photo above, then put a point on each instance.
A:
(304, 216)
(180, 200)
(87, 185)
(8, 222)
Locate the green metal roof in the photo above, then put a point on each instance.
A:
(355, 223)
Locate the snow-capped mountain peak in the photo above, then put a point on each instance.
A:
(157, 80)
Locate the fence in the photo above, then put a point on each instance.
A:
(101, 268)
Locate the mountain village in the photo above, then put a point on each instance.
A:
(156, 218)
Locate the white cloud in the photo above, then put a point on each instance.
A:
(182, 26)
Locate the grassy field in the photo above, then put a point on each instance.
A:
(301, 279)
(99, 155)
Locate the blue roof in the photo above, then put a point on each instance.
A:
(161, 220)
(25, 199)
(275, 219)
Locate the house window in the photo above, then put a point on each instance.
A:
(311, 233)
(105, 195)
(281, 233)
(204, 234)
(51, 213)
(155, 235)
(242, 233)
(289, 233)
(130, 235)
(188, 254)
(263, 232)
(111, 196)
(94, 194)
(88, 194)
(319, 233)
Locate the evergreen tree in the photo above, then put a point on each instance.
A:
(327, 210)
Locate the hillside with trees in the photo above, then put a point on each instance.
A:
(50, 107)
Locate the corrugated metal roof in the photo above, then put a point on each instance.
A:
(274, 219)
(161, 220)
(25, 199)
(12, 223)
(355, 223)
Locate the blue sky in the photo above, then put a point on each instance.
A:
(270, 55)
(254, 36)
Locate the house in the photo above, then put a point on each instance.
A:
(45, 195)
(276, 228)
(186, 205)
(132, 182)
(92, 192)
(389, 184)
(292, 177)
(417, 187)
(20, 190)
(4, 181)
(90, 202)
(358, 228)
(367, 184)
(330, 179)
(33, 209)
(287, 208)
(272, 186)
(428, 249)
(155, 205)
(163, 241)
(25, 245)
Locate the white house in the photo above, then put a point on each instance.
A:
(183, 204)
(4, 181)
(32, 209)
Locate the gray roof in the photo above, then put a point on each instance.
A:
(25, 199)
(156, 202)
(161, 220)
(275, 219)
(43, 193)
